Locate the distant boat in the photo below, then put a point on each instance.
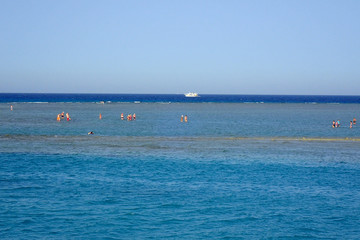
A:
(191, 94)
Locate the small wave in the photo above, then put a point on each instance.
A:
(35, 102)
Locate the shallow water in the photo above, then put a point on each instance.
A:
(235, 170)
(159, 119)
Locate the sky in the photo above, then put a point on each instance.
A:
(303, 47)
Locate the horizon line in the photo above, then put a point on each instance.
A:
(246, 94)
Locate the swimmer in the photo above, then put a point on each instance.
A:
(182, 118)
(100, 117)
(90, 133)
(185, 118)
(122, 116)
(58, 118)
(68, 117)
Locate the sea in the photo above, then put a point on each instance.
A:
(241, 167)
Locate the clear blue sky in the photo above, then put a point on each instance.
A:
(221, 47)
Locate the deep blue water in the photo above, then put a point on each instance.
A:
(36, 97)
(238, 169)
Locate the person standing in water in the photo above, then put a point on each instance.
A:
(11, 107)
(333, 124)
(182, 118)
(122, 116)
(68, 117)
(354, 121)
(58, 118)
(185, 118)
(134, 116)
(351, 123)
(100, 117)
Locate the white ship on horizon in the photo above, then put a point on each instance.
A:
(191, 94)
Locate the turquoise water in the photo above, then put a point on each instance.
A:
(234, 171)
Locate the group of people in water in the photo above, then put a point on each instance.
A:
(130, 117)
(183, 118)
(62, 116)
(336, 124)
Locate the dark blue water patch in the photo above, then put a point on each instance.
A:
(166, 98)
(176, 198)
